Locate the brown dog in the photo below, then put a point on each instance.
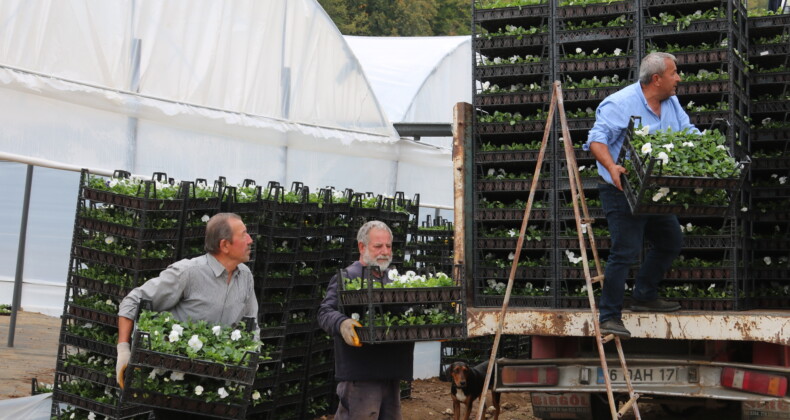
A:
(467, 385)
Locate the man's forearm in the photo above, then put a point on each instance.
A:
(601, 153)
(125, 326)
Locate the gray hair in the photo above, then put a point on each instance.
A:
(217, 229)
(363, 235)
(653, 63)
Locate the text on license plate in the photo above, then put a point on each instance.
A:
(644, 374)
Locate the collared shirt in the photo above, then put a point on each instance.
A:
(197, 289)
(614, 113)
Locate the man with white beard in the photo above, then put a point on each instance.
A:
(368, 376)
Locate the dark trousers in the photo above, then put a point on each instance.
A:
(368, 400)
(628, 233)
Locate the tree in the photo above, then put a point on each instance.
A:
(400, 17)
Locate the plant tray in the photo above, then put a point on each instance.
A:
(572, 242)
(193, 232)
(506, 128)
(770, 244)
(520, 70)
(507, 42)
(515, 301)
(709, 241)
(580, 123)
(588, 183)
(773, 106)
(83, 372)
(771, 273)
(510, 13)
(132, 202)
(243, 373)
(600, 64)
(775, 134)
(573, 302)
(699, 273)
(576, 273)
(771, 302)
(401, 295)
(411, 333)
(769, 21)
(521, 272)
(127, 231)
(699, 57)
(705, 304)
(507, 156)
(704, 88)
(514, 185)
(93, 315)
(296, 304)
(595, 212)
(774, 192)
(105, 349)
(768, 50)
(302, 327)
(122, 260)
(775, 216)
(510, 243)
(595, 34)
(591, 10)
(97, 407)
(511, 214)
(98, 286)
(589, 94)
(272, 332)
(781, 162)
(718, 26)
(151, 399)
(515, 98)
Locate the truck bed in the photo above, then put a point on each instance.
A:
(770, 326)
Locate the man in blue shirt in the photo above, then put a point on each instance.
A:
(653, 99)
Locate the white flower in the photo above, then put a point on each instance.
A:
(174, 336)
(72, 415)
(392, 274)
(486, 85)
(91, 416)
(767, 260)
(782, 180)
(205, 218)
(177, 376)
(198, 390)
(688, 144)
(578, 50)
(256, 395)
(110, 302)
(497, 60)
(744, 209)
(595, 51)
(721, 147)
(698, 190)
(235, 335)
(581, 168)
(217, 330)
(663, 157)
(766, 121)
(355, 316)
(111, 183)
(195, 343)
(645, 130)
(647, 149)
(669, 147)
(617, 51)
(512, 233)
(511, 256)
(689, 227)
(491, 172)
(109, 240)
(178, 329)
(222, 393)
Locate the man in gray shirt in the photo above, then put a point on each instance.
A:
(216, 287)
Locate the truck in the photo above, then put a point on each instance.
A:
(686, 361)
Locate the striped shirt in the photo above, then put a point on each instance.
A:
(197, 289)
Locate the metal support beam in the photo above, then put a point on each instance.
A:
(417, 130)
(20, 257)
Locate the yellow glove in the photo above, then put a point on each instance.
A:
(349, 333)
(124, 353)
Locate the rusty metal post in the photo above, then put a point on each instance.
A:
(462, 164)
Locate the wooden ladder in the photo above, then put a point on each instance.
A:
(583, 226)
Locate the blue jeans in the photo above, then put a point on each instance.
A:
(628, 233)
(369, 400)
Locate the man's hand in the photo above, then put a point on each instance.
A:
(615, 171)
(349, 333)
(124, 353)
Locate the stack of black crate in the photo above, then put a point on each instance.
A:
(513, 70)
(431, 245)
(769, 147)
(594, 50)
(119, 242)
(474, 351)
(709, 39)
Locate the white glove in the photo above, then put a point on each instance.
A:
(124, 353)
(349, 333)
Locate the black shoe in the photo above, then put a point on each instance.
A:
(616, 327)
(656, 305)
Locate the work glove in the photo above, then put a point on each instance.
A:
(124, 353)
(349, 333)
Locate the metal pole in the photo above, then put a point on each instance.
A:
(20, 257)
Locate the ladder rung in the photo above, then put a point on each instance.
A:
(607, 338)
(597, 279)
(588, 221)
(627, 406)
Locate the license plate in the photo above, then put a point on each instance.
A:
(646, 375)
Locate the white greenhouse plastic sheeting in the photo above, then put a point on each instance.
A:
(417, 79)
